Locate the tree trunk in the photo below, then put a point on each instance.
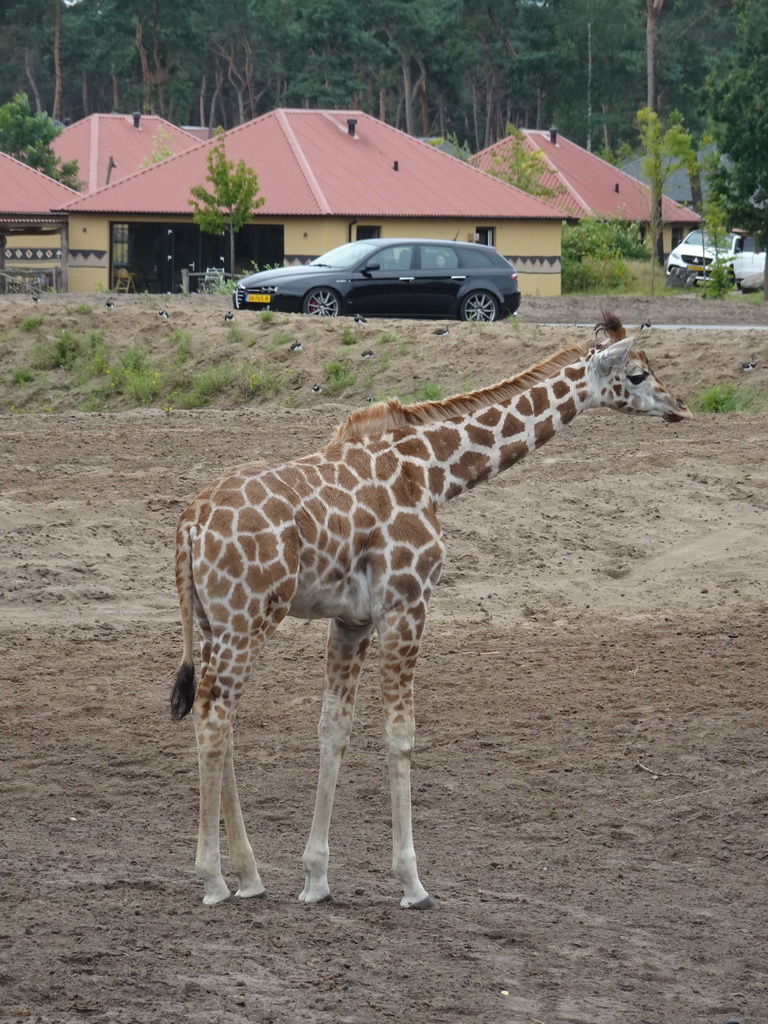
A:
(653, 8)
(30, 71)
(144, 66)
(56, 112)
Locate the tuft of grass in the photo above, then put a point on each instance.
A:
(267, 316)
(83, 307)
(338, 377)
(429, 391)
(278, 339)
(22, 375)
(349, 337)
(181, 341)
(726, 397)
(387, 337)
(205, 385)
(262, 383)
(31, 323)
(62, 353)
(137, 377)
(237, 335)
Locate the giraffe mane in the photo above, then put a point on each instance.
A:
(392, 415)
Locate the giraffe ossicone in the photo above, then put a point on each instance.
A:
(351, 534)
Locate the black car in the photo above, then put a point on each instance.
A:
(415, 277)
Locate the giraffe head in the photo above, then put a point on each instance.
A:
(623, 380)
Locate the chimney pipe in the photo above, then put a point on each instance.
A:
(553, 136)
(136, 118)
(351, 124)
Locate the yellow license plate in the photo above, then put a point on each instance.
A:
(259, 298)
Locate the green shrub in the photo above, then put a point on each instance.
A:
(430, 392)
(22, 375)
(348, 336)
(62, 353)
(31, 323)
(205, 385)
(726, 397)
(719, 280)
(262, 383)
(594, 252)
(338, 377)
(181, 341)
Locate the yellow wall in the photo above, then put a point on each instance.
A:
(88, 260)
(533, 246)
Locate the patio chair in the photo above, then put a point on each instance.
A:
(124, 280)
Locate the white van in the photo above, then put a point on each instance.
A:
(695, 253)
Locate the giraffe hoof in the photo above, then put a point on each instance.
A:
(244, 894)
(426, 904)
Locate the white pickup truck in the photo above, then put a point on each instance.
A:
(695, 253)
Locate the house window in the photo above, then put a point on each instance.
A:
(484, 236)
(368, 231)
(119, 245)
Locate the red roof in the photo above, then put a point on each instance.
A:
(25, 192)
(590, 186)
(100, 138)
(310, 165)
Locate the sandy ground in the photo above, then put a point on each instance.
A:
(590, 775)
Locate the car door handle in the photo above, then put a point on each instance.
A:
(407, 279)
(458, 277)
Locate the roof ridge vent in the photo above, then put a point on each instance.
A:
(351, 125)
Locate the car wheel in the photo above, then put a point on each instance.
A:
(322, 302)
(480, 307)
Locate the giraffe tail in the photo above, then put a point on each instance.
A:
(183, 693)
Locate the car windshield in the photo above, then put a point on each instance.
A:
(700, 239)
(344, 256)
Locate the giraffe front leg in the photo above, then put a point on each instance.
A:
(345, 653)
(397, 661)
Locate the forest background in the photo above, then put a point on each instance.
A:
(459, 68)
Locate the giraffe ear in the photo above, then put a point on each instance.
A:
(608, 360)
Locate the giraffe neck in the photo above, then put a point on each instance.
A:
(464, 451)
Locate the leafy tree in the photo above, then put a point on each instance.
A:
(740, 104)
(28, 137)
(666, 150)
(234, 197)
(517, 165)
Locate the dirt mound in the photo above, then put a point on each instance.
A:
(68, 352)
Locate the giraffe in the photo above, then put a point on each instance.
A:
(351, 533)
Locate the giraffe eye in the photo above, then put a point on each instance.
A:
(637, 378)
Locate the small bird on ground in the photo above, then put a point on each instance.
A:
(441, 331)
(162, 313)
(368, 354)
(228, 317)
(109, 304)
(645, 326)
(316, 389)
(295, 346)
(35, 297)
(749, 366)
(360, 319)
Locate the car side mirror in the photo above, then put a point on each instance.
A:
(372, 266)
